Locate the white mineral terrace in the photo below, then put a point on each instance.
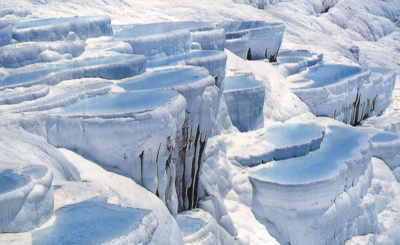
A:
(244, 97)
(115, 67)
(296, 61)
(57, 29)
(150, 143)
(316, 188)
(343, 92)
(259, 40)
(276, 143)
(386, 146)
(26, 198)
(116, 131)
(116, 224)
(159, 40)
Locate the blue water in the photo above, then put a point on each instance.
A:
(89, 222)
(162, 79)
(385, 137)
(158, 28)
(10, 181)
(121, 102)
(323, 75)
(170, 60)
(35, 171)
(292, 134)
(189, 225)
(338, 145)
(41, 73)
(241, 82)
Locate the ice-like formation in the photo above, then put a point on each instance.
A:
(208, 38)
(114, 67)
(26, 198)
(296, 61)
(107, 189)
(199, 227)
(384, 81)
(18, 55)
(294, 140)
(213, 60)
(160, 130)
(18, 95)
(386, 146)
(58, 29)
(258, 39)
(159, 40)
(96, 222)
(276, 142)
(70, 96)
(345, 93)
(203, 100)
(117, 131)
(316, 197)
(244, 98)
(5, 32)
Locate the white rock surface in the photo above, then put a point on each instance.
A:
(26, 198)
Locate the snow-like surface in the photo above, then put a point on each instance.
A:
(382, 209)
(293, 140)
(117, 132)
(282, 185)
(59, 28)
(214, 61)
(312, 167)
(364, 213)
(199, 227)
(63, 97)
(244, 97)
(18, 55)
(282, 141)
(10, 181)
(261, 40)
(296, 61)
(174, 77)
(346, 93)
(115, 225)
(26, 198)
(159, 40)
(5, 32)
(117, 190)
(203, 100)
(116, 67)
(386, 146)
